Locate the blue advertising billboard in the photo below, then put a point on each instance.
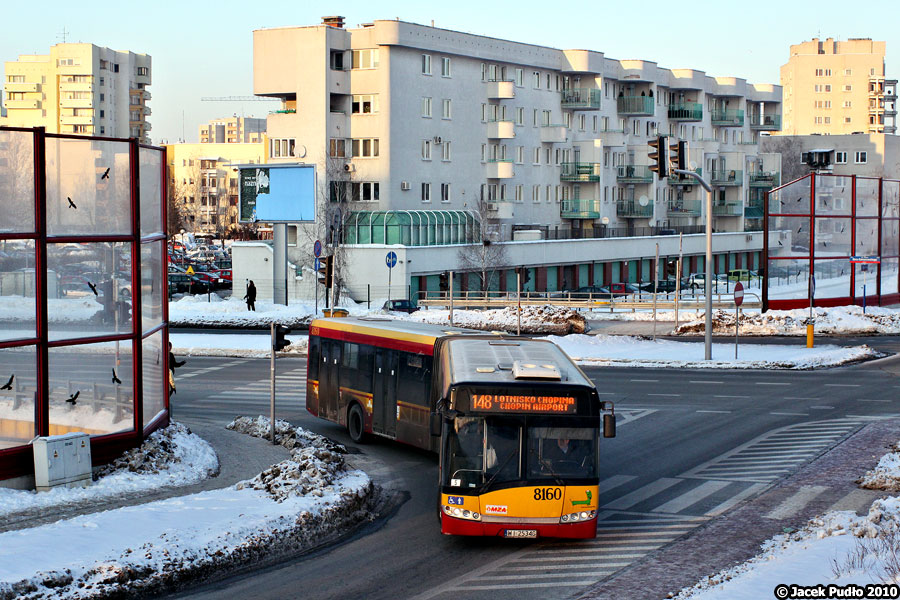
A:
(277, 193)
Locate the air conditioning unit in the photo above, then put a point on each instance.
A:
(404, 185)
(493, 206)
(349, 168)
(438, 140)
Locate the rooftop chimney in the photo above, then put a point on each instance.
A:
(337, 22)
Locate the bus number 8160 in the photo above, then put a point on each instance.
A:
(548, 494)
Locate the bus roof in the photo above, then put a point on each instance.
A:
(408, 332)
(493, 361)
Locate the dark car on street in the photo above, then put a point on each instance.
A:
(400, 306)
(663, 286)
(182, 283)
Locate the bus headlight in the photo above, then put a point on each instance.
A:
(460, 513)
(578, 516)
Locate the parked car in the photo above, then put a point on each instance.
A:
(697, 281)
(620, 289)
(182, 283)
(742, 275)
(663, 286)
(399, 306)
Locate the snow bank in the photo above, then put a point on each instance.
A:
(535, 319)
(196, 311)
(240, 345)
(839, 320)
(293, 506)
(170, 457)
(638, 352)
(886, 474)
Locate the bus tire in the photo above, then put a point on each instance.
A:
(356, 424)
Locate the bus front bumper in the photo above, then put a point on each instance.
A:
(498, 528)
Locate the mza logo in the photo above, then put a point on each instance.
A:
(495, 509)
(458, 500)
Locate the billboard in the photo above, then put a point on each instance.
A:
(279, 193)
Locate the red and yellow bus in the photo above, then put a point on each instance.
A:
(516, 423)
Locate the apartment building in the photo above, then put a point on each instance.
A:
(838, 87)
(203, 183)
(427, 138)
(860, 154)
(80, 88)
(233, 130)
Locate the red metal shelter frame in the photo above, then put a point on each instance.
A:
(18, 461)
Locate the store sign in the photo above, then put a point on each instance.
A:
(501, 403)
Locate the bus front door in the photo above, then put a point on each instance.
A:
(384, 393)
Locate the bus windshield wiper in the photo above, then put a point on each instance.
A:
(559, 480)
(490, 481)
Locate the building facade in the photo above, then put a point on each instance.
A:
(863, 155)
(203, 184)
(834, 87)
(418, 130)
(80, 89)
(233, 130)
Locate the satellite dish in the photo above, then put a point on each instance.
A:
(693, 166)
(643, 200)
(605, 220)
(301, 151)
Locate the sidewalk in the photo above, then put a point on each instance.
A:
(240, 457)
(736, 536)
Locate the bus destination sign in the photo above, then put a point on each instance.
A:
(503, 403)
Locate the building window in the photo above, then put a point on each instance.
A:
(848, 88)
(426, 192)
(581, 122)
(102, 97)
(337, 60)
(840, 158)
(519, 193)
(365, 191)
(143, 71)
(545, 118)
(445, 109)
(426, 149)
(520, 77)
(520, 115)
(426, 64)
(426, 107)
(445, 151)
(364, 147)
(365, 59)
(861, 158)
(445, 192)
(445, 67)
(847, 120)
(536, 80)
(520, 154)
(847, 103)
(336, 147)
(537, 155)
(848, 72)
(364, 104)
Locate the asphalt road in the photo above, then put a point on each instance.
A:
(691, 444)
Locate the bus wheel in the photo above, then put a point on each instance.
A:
(355, 424)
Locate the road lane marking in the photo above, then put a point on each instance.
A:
(771, 383)
(705, 381)
(789, 414)
(754, 489)
(697, 494)
(843, 385)
(856, 501)
(823, 407)
(614, 482)
(795, 398)
(641, 494)
(718, 412)
(731, 396)
(645, 380)
(796, 503)
(666, 395)
(873, 400)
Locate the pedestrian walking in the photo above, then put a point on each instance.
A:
(250, 296)
(173, 364)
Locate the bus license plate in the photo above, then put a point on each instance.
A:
(521, 533)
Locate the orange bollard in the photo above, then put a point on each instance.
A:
(809, 335)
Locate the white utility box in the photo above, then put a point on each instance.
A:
(62, 460)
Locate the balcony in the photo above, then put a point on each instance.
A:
(727, 118)
(22, 87)
(10, 104)
(635, 105)
(727, 209)
(76, 102)
(501, 89)
(765, 179)
(500, 169)
(634, 174)
(76, 119)
(633, 209)
(686, 111)
(684, 208)
(75, 86)
(581, 99)
(584, 172)
(765, 122)
(553, 134)
(755, 209)
(140, 93)
(501, 130)
(684, 179)
(580, 208)
(726, 178)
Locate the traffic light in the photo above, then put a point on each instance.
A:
(279, 343)
(661, 167)
(326, 267)
(677, 159)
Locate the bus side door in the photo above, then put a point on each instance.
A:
(384, 392)
(328, 379)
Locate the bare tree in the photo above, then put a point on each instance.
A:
(184, 207)
(790, 149)
(488, 258)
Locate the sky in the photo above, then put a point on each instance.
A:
(206, 48)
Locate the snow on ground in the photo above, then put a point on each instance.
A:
(196, 311)
(59, 310)
(535, 319)
(838, 320)
(628, 351)
(169, 457)
(293, 505)
(838, 548)
(233, 344)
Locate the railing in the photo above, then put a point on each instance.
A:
(635, 105)
(604, 232)
(633, 209)
(727, 117)
(686, 111)
(678, 179)
(727, 210)
(765, 179)
(584, 98)
(727, 177)
(687, 208)
(581, 208)
(765, 122)
(580, 171)
(286, 111)
(639, 300)
(634, 174)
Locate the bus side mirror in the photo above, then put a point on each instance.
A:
(609, 426)
(435, 424)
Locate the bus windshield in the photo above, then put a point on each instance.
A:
(491, 451)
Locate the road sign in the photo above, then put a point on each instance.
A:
(738, 294)
(190, 270)
(865, 259)
(391, 259)
(318, 264)
(317, 249)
